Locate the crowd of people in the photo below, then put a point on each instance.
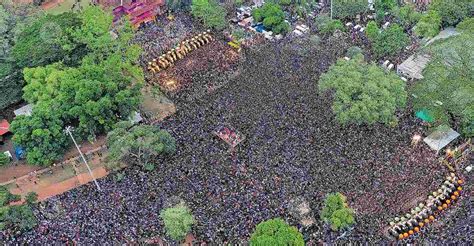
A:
(294, 148)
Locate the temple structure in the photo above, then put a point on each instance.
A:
(138, 11)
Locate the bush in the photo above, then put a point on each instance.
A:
(272, 16)
(354, 51)
(276, 232)
(466, 26)
(210, 13)
(327, 25)
(349, 8)
(19, 218)
(385, 5)
(429, 25)
(4, 159)
(6, 197)
(178, 221)
(372, 31)
(390, 41)
(452, 11)
(336, 212)
(31, 197)
(365, 93)
(407, 16)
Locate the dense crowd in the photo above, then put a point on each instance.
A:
(294, 148)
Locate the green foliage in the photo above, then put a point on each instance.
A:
(276, 232)
(372, 31)
(40, 43)
(31, 197)
(141, 142)
(448, 78)
(13, 19)
(337, 212)
(6, 197)
(407, 16)
(390, 41)
(272, 16)
(4, 159)
(327, 25)
(452, 11)
(385, 5)
(238, 34)
(210, 13)
(466, 26)
(102, 90)
(349, 8)
(364, 93)
(18, 218)
(354, 51)
(429, 24)
(178, 5)
(178, 221)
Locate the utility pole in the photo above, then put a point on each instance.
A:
(69, 131)
(331, 9)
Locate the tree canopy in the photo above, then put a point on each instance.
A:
(364, 93)
(272, 16)
(210, 13)
(390, 41)
(141, 142)
(13, 20)
(102, 90)
(447, 87)
(336, 212)
(178, 221)
(276, 232)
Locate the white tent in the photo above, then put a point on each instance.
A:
(25, 110)
(442, 136)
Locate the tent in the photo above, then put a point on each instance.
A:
(442, 136)
(4, 127)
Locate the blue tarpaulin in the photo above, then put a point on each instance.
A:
(19, 152)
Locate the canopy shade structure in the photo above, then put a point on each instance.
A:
(4, 127)
(25, 110)
(442, 136)
(424, 115)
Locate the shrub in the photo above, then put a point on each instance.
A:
(327, 25)
(353, 52)
(272, 16)
(429, 24)
(452, 11)
(178, 221)
(19, 218)
(210, 13)
(31, 197)
(276, 232)
(407, 16)
(372, 31)
(349, 8)
(365, 93)
(6, 197)
(390, 41)
(466, 26)
(4, 159)
(336, 212)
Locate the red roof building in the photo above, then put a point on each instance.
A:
(137, 11)
(4, 127)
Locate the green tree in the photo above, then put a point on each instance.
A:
(102, 90)
(363, 93)
(447, 87)
(452, 11)
(327, 25)
(276, 232)
(4, 159)
(336, 212)
(6, 197)
(40, 43)
(13, 19)
(407, 16)
(372, 31)
(466, 26)
(141, 142)
(390, 41)
(178, 221)
(210, 13)
(349, 8)
(354, 51)
(429, 24)
(31, 197)
(272, 16)
(19, 218)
